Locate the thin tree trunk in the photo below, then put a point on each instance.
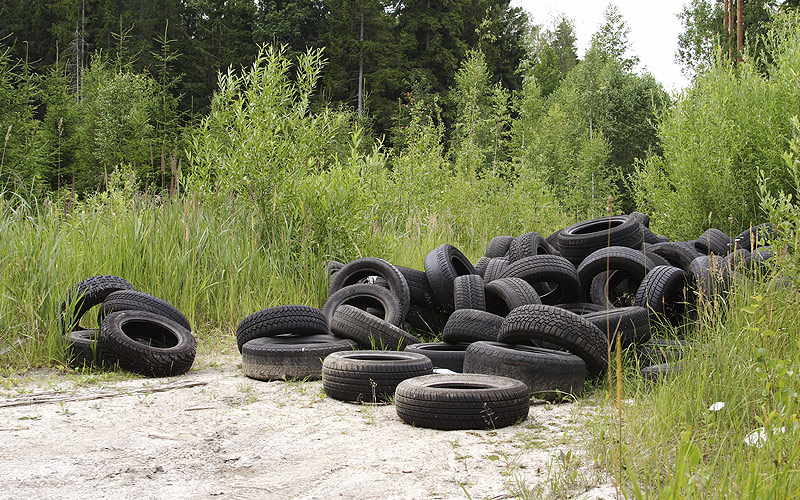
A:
(361, 67)
(739, 30)
(726, 21)
(731, 21)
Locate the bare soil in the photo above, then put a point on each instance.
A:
(214, 433)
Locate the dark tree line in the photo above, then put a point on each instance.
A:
(376, 49)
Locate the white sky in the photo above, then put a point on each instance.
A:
(654, 29)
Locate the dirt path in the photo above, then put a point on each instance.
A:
(229, 437)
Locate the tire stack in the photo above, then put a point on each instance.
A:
(137, 331)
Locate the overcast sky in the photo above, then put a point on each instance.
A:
(654, 29)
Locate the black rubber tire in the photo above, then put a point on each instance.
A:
(624, 261)
(711, 276)
(442, 266)
(290, 356)
(755, 237)
(505, 294)
(462, 401)
(631, 323)
(357, 270)
(619, 291)
(146, 343)
(470, 325)
(369, 332)
(448, 355)
(666, 294)
(562, 328)
(87, 294)
(549, 374)
(419, 290)
(580, 308)
(480, 265)
(425, 320)
(714, 241)
(468, 292)
(649, 237)
(552, 240)
(498, 246)
(678, 253)
(528, 245)
(82, 349)
(643, 218)
(554, 278)
(125, 300)
(372, 298)
(656, 373)
(579, 240)
(652, 257)
(495, 269)
(303, 320)
(331, 268)
(761, 256)
(658, 351)
(370, 376)
(739, 260)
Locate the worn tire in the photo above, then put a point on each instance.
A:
(426, 320)
(370, 332)
(290, 356)
(448, 355)
(470, 325)
(562, 328)
(625, 262)
(418, 287)
(82, 351)
(528, 245)
(548, 374)
(666, 294)
(278, 320)
(506, 294)
(755, 237)
(659, 351)
(631, 323)
(125, 300)
(462, 401)
(656, 373)
(370, 376)
(87, 294)
(580, 308)
(480, 265)
(468, 292)
(711, 276)
(554, 278)
(357, 270)
(678, 253)
(579, 240)
(442, 266)
(498, 246)
(495, 269)
(373, 298)
(714, 241)
(146, 343)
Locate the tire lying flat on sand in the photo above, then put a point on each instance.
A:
(290, 356)
(462, 401)
(370, 376)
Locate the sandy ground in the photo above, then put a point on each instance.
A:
(217, 434)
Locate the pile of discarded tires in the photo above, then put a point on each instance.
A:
(541, 311)
(137, 331)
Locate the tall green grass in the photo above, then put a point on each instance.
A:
(673, 443)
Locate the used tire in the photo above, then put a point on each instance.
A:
(666, 295)
(470, 325)
(498, 246)
(495, 269)
(462, 401)
(355, 271)
(579, 240)
(630, 323)
(278, 320)
(87, 294)
(126, 300)
(625, 262)
(442, 266)
(678, 253)
(370, 332)
(449, 355)
(549, 375)
(528, 245)
(554, 278)
(290, 356)
(418, 287)
(562, 328)
(146, 343)
(373, 298)
(468, 292)
(370, 376)
(714, 241)
(506, 294)
(426, 320)
(82, 349)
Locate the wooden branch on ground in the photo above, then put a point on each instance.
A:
(50, 397)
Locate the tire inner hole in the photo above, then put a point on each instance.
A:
(150, 334)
